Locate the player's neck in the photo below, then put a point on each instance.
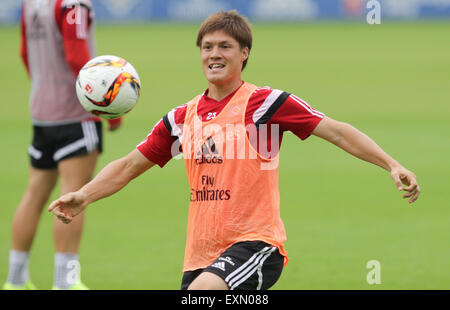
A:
(220, 91)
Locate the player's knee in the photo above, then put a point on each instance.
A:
(36, 194)
(40, 185)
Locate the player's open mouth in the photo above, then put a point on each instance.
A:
(216, 66)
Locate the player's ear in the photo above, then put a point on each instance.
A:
(244, 54)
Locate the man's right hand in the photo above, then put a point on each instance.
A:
(66, 207)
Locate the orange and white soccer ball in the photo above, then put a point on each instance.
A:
(108, 86)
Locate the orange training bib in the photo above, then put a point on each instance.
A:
(234, 192)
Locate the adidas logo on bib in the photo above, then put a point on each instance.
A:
(208, 153)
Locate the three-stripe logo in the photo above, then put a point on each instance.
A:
(254, 264)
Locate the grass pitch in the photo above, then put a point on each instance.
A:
(390, 81)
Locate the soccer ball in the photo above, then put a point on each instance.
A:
(108, 86)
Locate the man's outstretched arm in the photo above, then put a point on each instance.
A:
(360, 145)
(112, 178)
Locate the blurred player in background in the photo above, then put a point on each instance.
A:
(57, 40)
(235, 236)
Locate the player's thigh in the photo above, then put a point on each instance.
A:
(208, 281)
(77, 171)
(77, 156)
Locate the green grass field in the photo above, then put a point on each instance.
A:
(391, 81)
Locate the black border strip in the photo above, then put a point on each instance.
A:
(273, 108)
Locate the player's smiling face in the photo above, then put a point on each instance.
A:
(222, 57)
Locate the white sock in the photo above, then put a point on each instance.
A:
(18, 267)
(67, 270)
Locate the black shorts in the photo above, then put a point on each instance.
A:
(51, 144)
(248, 265)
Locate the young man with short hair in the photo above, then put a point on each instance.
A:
(230, 137)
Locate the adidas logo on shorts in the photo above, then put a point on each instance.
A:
(219, 265)
(227, 259)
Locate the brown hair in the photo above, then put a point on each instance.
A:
(233, 24)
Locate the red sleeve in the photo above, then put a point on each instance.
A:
(73, 23)
(297, 116)
(74, 32)
(23, 41)
(158, 145)
(162, 142)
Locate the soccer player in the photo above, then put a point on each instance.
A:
(230, 137)
(57, 40)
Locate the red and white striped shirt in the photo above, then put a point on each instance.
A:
(266, 106)
(57, 40)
